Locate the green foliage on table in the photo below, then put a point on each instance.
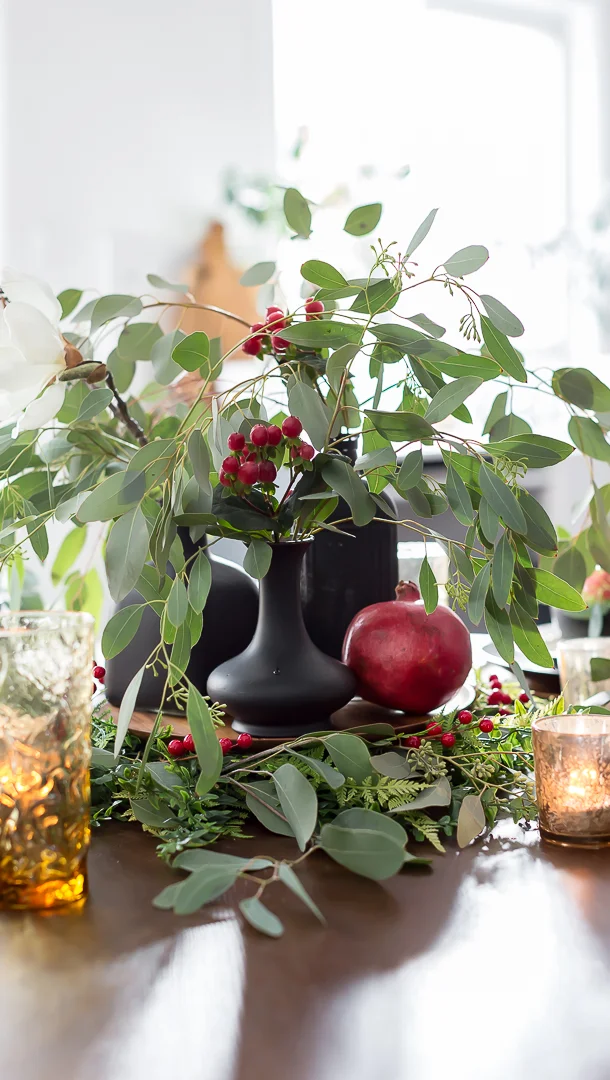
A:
(362, 797)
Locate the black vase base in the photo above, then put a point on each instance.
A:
(280, 731)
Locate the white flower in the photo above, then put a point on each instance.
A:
(31, 351)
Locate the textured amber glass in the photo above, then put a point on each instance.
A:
(572, 760)
(45, 714)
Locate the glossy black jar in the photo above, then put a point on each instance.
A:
(282, 684)
(229, 621)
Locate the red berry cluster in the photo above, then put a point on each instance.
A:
(177, 748)
(99, 674)
(249, 461)
(266, 337)
(497, 696)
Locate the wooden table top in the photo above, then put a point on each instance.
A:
(493, 965)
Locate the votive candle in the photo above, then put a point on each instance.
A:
(572, 762)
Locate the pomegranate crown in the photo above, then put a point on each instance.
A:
(407, 591)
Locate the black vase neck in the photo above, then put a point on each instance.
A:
(280, 611)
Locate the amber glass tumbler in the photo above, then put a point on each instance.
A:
(45, 749)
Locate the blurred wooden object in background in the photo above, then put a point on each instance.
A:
(213, 279)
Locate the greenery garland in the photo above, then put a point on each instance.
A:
(359, 796)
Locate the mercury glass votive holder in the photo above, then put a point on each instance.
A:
(572, 762)
(574, 656)
(45, 717)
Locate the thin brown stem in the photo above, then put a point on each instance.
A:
(122, 412)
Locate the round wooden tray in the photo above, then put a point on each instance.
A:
(356, 713)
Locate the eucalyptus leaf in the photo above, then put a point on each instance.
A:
(428, 586)
(466, 260)
(202, 887)
(69, 299)
(502, 351)
(437, 794)
(333, 778)
(478, 592)
(341, 477)
(199, 582)
(96, 402)
(571, 567)
(588, 436)
(499, 628)
(264, 803)
(200, 460)
(501, 317)
(166, 369)
(501, 499)
(600, 668)
(322, 333)
(322, 274)
(421, 232)
(410, 472)
(427, 325)
(297, 213)
(128, 704)
(126, 552)
(177, 602)
(305, 402)
(337, 363)
(258, 274)
(350, 754)
(363, 219)
(502, 567)
(368, 852)
(450, 397)
(298, 801)
(71, 547)
(458, 497)
(259, 916)
(191, 352)
(557, 593)
(399, 426)
(528, 638)
(288, 878)
(471, 820)
(112, 307)
(161, 283)
(121, 629)
(207, 746)
(257, 559)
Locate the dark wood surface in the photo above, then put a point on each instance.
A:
(493, 965)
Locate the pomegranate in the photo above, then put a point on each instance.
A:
(405, 659)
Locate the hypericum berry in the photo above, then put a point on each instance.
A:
(175, 747)
(504, 711)
(292, 427)
(507, 699)
(226, 745)
(486, 725)
(294, 452)
(274, 435)
(306, 451)
(189, 744)
(279, 344)
(413, 741)
(267, 472)
(313, 309)
(226, 479)
(465, 716)
(230, 465)
(244, 741)
(258, 435)
(495, 683)
(448, 739)
(248, 473)
(524, 698)
(276, 319)
(496, 698)
(99, 673)
(236, 441)
(434, 730)
(252, 346)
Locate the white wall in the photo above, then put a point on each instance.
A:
(119, 117)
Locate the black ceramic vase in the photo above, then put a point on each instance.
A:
(229, 621)
(343, 574)
(282, 685)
